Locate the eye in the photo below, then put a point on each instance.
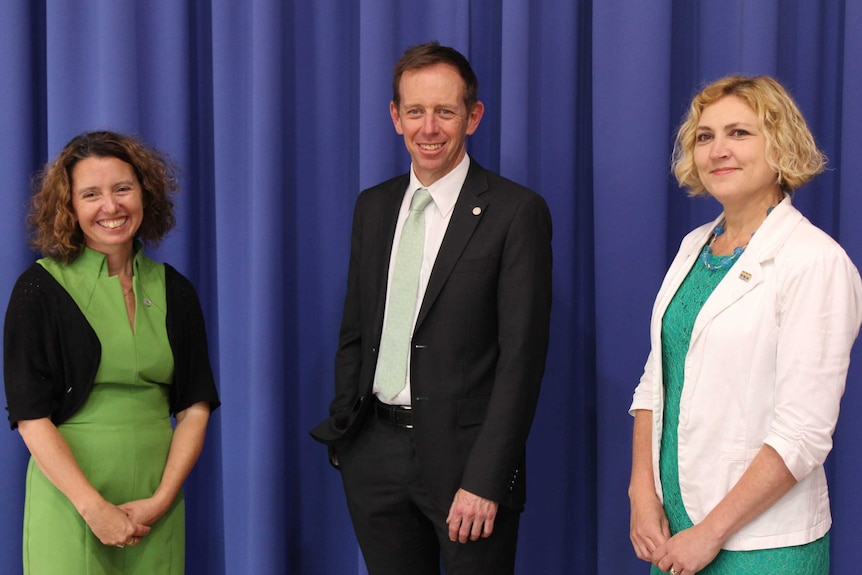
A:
(447, 114)
(414, 113)
(703, 137)
(739, 133)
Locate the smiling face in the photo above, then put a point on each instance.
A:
(108, 203)
(730, 154)
(434, 119)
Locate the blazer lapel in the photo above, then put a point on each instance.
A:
(386, 234)
(748, 272)
(466, 215)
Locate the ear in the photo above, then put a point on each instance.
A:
(396, 117)
(475, 116)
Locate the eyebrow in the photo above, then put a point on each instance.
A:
(728, 126)
(114, 185)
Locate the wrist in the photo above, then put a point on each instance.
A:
(90, 505)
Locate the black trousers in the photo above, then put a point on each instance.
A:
(400, 529)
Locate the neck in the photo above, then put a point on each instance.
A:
(742, 220)
(120, 262)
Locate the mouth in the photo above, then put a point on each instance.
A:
(112, 224)
(430, 147)
(722, 171)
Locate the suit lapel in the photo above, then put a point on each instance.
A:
(748, 272)
(466, 215)
(388, 218)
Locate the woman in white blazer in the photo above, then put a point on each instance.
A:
(751, 335)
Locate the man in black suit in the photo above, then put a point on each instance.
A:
(429, 430)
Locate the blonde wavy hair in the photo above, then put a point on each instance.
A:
(55, 231)
(790, 148)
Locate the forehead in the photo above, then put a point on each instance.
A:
(725, 111)
(435, 84)
(96, 168)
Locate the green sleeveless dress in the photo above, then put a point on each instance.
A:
(677, 325)
(120, 437)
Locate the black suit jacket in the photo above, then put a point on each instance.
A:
(480, 341)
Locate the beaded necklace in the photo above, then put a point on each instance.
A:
(714, 262)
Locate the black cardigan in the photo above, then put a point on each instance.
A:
(51, 353)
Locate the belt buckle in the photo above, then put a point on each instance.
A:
(403, 410)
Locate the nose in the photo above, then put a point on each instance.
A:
(429, 124)
(718, 149)
(109, 203)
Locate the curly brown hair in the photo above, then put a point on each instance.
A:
(55, 230)
(790, 147)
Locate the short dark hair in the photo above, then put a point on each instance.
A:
(55, 231)
(429, 54)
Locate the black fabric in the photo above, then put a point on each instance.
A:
(51, 353)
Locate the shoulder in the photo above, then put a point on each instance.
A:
(174, 280)
(180, 292)
(503, 196)
(35, 283)
(807, 243)
(384, 190)
(481, 179)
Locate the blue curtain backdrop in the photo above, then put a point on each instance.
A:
(276, 112)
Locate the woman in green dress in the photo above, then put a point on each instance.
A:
(751, 335)
(101, 346)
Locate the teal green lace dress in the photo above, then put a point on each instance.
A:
(120, 437)
(677, 325)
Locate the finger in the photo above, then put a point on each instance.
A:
(465, 531)
(488, 527)
(476, 530)
(454, 527)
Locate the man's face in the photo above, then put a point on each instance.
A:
(434, 120)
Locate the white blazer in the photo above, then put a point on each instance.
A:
(767, 363)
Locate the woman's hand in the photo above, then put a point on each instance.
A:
(688, 551)
(112, 526)
(145, 511)
(648, 528)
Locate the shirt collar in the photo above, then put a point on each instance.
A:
(445, 191)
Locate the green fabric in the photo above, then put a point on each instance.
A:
(401, 307)
(677, 325)
(120, 437)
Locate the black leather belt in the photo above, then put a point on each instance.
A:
(397, 415)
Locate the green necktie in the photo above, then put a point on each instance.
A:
(398, 324)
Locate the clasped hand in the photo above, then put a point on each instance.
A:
(113, 526)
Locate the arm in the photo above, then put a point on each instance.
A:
(819, 307)
(765, 481)
(186, 446)
(649, 527)
(523, 302)
(56, 460)
(346, 403)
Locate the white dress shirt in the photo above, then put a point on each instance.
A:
(444, 193)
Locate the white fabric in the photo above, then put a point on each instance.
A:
(767, 363)
(444, 193)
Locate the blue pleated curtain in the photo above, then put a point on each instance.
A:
(277, 114)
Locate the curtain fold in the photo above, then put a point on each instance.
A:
(277, 115)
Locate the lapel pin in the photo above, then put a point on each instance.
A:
(744, 276)
(477, 210)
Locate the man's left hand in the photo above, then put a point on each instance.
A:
(470, 517)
